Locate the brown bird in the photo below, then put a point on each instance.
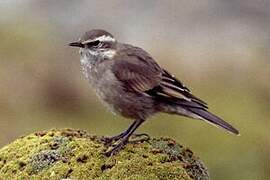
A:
(129, 82)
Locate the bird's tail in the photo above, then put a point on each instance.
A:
(213, 119)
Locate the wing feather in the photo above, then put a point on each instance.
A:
(137, 70)
(139, 73)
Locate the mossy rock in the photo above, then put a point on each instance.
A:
(75, 154)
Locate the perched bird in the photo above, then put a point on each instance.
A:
(130, 83)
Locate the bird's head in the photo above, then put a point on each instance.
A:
(97, 43)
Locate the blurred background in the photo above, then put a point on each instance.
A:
(218, 48)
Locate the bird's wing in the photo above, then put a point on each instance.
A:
(139, 73)
(172, 91)
(176, 89)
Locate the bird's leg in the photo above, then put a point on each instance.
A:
(109, 140)
(124, 139)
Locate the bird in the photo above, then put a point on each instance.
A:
(132, 84)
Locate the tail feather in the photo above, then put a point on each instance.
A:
(213, 119)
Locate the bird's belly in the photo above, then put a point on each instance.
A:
(129, 105)
(116, 99)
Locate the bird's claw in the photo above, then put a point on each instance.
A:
(108, 141)
(116, 148)
(135, 136)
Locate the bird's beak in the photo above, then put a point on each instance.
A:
(76, 44)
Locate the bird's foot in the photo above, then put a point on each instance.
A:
(108, 141)
(115, 149)
(122, 138)
(124, 141)
(139, 138)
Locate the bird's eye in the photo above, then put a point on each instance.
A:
(93, 43)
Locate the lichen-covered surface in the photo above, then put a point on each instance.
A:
(75, 154)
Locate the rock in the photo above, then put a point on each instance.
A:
(75, 154)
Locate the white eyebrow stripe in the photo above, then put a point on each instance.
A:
(105, 38)
(87, 41)
(101, 38)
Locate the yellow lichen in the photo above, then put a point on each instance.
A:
(75, 154)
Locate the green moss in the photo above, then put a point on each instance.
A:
(75, 154)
